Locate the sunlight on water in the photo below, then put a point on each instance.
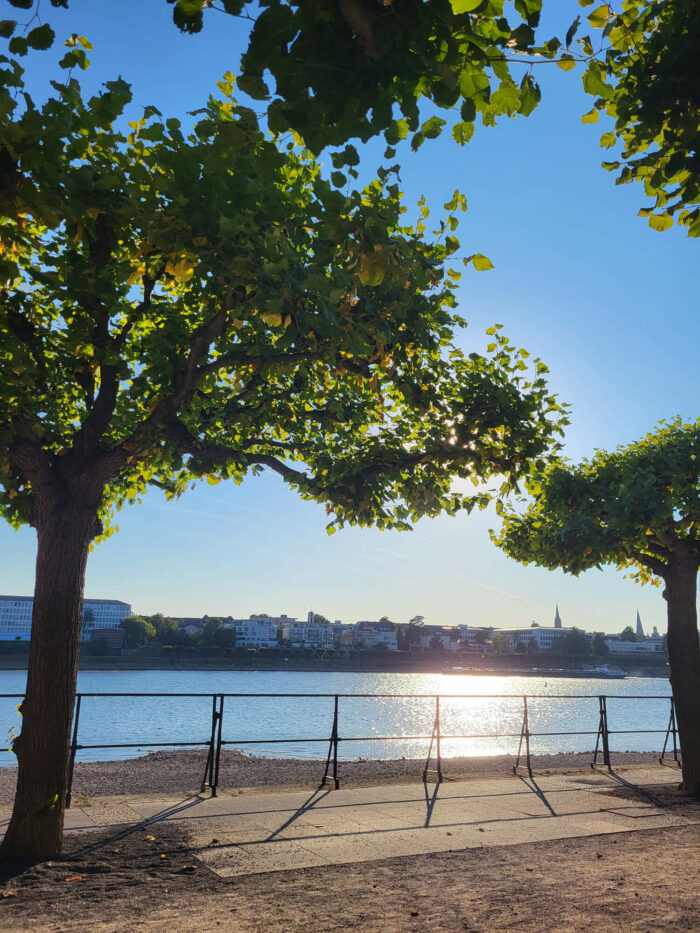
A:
(486, 722)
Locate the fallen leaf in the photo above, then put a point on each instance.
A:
(599, 855)
(481, 829)
(414, 913)
(9, 894)
(74, 878)
(149, 838)
(448, 834)
(529, 868)
(163, 855)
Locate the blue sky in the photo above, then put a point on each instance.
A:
(610, 305)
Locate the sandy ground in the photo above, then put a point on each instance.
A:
(182, 771)
(635, 882)
(127, 879)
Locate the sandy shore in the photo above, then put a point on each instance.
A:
(181, 771)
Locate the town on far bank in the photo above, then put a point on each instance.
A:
(111, 629)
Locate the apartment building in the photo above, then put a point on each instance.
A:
(98, 614)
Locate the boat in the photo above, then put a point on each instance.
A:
(598, 673)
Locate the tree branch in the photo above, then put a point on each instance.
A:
(654, 564)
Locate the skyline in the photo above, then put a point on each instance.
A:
(579, 280)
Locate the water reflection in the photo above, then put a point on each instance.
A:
(387, 727)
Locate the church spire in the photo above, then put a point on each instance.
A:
(640, 630)
(557, 618)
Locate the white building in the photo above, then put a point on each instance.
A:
(368, 635)
(16, 616)
(648, 646)
(541, 638)
(309, 634)
(255, 632)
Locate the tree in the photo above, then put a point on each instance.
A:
(645, 78)
(225, 637)
(637, 508)
(628, 634)
(573, 643)
(199, 307)
(166, 628)
(136, 631)
(600, 646)
(209, 630)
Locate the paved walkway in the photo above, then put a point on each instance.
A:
(241, 834)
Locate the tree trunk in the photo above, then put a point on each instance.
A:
(35, 831)
(684, 659)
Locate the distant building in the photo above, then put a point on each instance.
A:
(368, 635)
(439, 637)
(538, 639)
(648, 646)
(98, 615)
(309, 634)
(255, 632)
(557, 618)
(640, 630)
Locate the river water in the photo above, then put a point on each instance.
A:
(488, 705)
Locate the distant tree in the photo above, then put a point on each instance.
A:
(413, 631)
(436, 642)
(574, 643)
(600, 646)
(137, 631)
(481, 636)
(318, 617)
(166, 628)
(225, 637)
(637, 508)
(501, 643)
(534, 625)
(209, 629)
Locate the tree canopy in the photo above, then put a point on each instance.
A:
(634, 508)
(337, 70)
(637, 508)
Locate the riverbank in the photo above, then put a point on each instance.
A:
(384, 664)
(182, 771)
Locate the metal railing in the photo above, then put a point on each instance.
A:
(215, 742)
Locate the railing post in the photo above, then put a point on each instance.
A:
(209, 768)
(434, 738)
(217, 759)
(73, 749)
(602, 734)
(333, 748)
(671, 730)
(524, 734)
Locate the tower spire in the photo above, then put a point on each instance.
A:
(557, 618)
(640, 630)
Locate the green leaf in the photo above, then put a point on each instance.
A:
(468, 110)
(591, 117)
(18, 45)
(254, 86)
(41, 38)
(462, 132)
(608, 140)
(481, 263)
(464, 6)
(432, 128)
(566, 62)
(338, 179)
(598, 18)
(7, 27)
(530, 95)
(660, 222)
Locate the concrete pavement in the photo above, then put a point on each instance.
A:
(241, 834)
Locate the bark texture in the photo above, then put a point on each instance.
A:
(684, 661)
(35, 832)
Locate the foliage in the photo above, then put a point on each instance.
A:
(572, 644)
(195, 307)
(356, 69)
(166, 628)
(225, 637)
(628, 634)
(209, 630)
(632, 508)
(646, 78)
(137, 631)
(600, 646)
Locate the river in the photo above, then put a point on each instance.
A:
(493, 704)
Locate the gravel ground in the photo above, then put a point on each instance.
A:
(179, 771)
